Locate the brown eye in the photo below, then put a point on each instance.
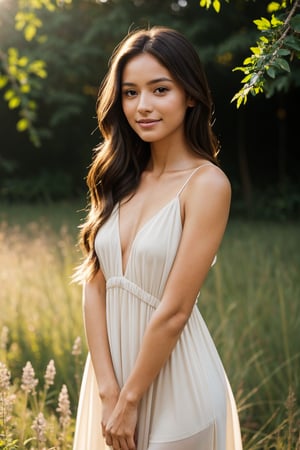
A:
(161, 90)
(130, 93)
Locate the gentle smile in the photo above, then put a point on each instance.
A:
(147, 121)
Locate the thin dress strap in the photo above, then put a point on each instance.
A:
(188, 179)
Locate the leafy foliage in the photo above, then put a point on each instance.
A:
(19, 81)
(216, 4)
(269, 67)
(19, 74)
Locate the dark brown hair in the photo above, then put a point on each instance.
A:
(122, 156)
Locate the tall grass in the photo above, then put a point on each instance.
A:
(250, 302)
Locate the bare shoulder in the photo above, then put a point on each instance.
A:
(207, 197)
(209, 181)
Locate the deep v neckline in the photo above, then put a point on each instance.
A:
(124, 267)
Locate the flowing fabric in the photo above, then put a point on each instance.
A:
(190, 405)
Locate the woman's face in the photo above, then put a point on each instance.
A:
(153, 102)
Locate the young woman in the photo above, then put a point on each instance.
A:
(159, 207)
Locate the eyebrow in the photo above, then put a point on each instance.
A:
(156, 80)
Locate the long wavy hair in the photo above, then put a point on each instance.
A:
(122, 156)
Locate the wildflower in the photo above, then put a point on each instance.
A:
(50, 374)
(4, 338)
(76, 350)
(39, 426)
(64, 407)
(6, 404)
(6, 400)
(28, 381)
(4, 377)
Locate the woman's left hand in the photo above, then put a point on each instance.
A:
(121, 426)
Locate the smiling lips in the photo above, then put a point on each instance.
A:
(147, 123)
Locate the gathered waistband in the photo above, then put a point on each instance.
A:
(134, 289)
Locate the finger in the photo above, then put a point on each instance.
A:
(115, 444)
(131, 443)
(108, 439)
(123, 444)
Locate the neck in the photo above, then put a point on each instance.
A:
(173, 157)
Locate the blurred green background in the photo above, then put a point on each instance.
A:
(260, 150)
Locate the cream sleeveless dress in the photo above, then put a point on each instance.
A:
(190, 405)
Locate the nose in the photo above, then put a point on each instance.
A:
(144, 105)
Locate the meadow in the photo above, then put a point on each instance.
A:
(250, 302)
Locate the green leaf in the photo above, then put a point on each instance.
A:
(25, 88)
(217, 5)
(38, 68)
(239, 101)
(205, 3)
(22, 62)
(257, 90)
(264, 39)
(262, 23)
(37, 64)
(14, 102)
(20, 20)
(12, 70)
(241, 97)
(247, 61)
(271, 72)
(256, 50)
(273, 6)
(13, 53)
(22, 77)
(283, 64)
(292, 42)
(3, 81)
(284, 52)
(30, 32)
(22, 125)
(275, 22)
(41, 73)
(246, 78)
(12, 56)
(242, 69)
(9, 94)
(295, 24)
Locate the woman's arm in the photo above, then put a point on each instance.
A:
(206, 202)
(94, 302)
